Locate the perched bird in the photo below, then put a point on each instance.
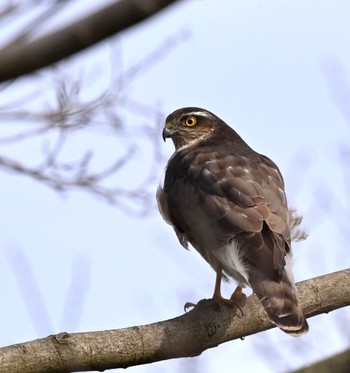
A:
(229, 203)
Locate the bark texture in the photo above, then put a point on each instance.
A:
(207, 325)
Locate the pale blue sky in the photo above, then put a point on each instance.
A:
(264, 67)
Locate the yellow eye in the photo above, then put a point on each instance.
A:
(190, 121)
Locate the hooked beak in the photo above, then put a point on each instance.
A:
(167, 131)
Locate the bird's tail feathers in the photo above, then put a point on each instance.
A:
(281, 304)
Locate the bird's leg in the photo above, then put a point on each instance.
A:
(217, 290)
(217, 293)
(237, 299)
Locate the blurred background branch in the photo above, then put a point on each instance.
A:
(22, 55)
(338, 363)
(53, 114)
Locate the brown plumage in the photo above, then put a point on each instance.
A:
(229, 202)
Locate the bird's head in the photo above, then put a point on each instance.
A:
(189, 125)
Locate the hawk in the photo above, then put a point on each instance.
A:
(229, 203)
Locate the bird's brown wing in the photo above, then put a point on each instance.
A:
(212, 196)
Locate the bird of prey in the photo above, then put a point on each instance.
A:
(229, 203)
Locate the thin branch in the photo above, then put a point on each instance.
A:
(17, 60)
(81, 179)
(207, 325)
(30, 290)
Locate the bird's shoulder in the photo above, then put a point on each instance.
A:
(229, 181)
(222, 167)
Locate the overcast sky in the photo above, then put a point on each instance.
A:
(278, 73)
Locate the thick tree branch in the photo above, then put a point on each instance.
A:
(206, 326)
(21, 59)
